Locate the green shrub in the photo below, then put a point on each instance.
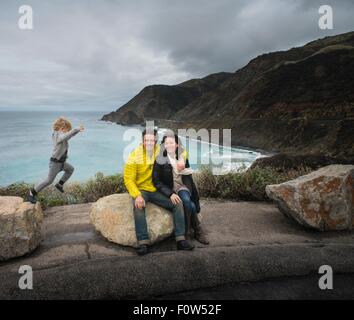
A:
(242, 184)
(238, 185)
(75, 192)
(19, 189)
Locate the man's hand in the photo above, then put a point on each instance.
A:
(139, 202)
(81, 128)
(175, 198)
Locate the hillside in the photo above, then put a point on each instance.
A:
(299, 100)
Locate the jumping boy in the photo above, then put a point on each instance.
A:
(62, 133)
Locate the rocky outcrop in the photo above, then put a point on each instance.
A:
(299, 100)
(323, 199)
(113, 217)
(163, 101)
(283, 162)
(20, 227)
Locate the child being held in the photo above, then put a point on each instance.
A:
(62, 133)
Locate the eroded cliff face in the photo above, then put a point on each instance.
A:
(162, 101)
(300, 100)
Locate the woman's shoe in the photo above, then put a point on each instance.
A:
(201, 237)
(199, 234)
(184, 245)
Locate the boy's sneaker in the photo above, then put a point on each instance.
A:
(142, 250)
(32, 197)
(59, 187)
(184, 245)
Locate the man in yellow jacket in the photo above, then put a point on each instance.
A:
(138, 181)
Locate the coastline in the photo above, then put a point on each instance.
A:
(264, 152)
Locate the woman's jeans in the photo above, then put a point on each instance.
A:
(161, 200)
(188, 203)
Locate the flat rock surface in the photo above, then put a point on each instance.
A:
(249, 241)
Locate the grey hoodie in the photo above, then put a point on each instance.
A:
(60, 142)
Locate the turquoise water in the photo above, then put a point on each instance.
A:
(25, 144)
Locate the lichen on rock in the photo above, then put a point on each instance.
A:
(323, 199)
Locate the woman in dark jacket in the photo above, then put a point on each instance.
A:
(172, 176)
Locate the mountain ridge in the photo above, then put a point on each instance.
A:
(301, 99)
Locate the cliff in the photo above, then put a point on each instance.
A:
(299, 100)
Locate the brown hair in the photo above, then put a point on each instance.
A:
(149, 131)
(61, 123)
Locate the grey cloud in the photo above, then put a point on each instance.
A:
(89, 54)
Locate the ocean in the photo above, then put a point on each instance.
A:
(25, 144)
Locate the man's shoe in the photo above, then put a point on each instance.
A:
(142, 250)
(32, 196)
(59, 187)
(184, 245)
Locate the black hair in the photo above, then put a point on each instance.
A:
(179, 149)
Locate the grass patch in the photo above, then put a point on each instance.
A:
(240, 185)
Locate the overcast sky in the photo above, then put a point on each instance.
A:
(96, 55)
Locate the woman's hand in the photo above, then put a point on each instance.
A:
(81, 128)
(175, 198)
(181, 165)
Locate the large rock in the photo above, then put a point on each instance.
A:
(20, 227)
(323, 199)
(113, 217)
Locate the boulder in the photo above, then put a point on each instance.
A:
(113, 217)
(20, 227)
(323, 199)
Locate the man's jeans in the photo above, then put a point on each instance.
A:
(161, 200)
